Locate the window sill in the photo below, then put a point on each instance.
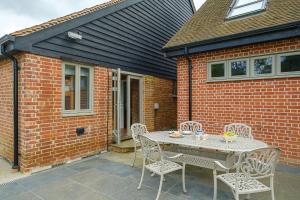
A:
(290, 75)
(78, 114)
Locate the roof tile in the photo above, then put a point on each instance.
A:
(210, 22)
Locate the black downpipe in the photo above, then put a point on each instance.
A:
(190, 88)
(15, 105)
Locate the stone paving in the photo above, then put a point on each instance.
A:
(7, 174)
(109, 177)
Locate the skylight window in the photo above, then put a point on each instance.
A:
(245, 7)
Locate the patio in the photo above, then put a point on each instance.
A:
(109, 177)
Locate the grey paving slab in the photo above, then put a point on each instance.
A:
(88, 176)
(24, 196)
(10, 189)
(109, 184)
(102, 179)
(43, 178)
(68, 190)
(89, 164)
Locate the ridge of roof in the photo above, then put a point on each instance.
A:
(59, 20)
(209, 22)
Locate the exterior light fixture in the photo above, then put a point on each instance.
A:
(74, 36)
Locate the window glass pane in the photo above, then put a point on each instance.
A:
(290, 63)
(69, 87)
(238, 68)
(243, 2)
(218, 70)
(246, 9)
(263, 65)
(84, 88)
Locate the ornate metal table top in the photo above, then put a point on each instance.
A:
(215, 142)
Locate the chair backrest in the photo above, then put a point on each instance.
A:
(190, 126)
(136, 130)
(259, 163)
(242, 130)
(151, 150)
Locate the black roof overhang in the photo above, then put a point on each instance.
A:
(24, 43)
(245, 38)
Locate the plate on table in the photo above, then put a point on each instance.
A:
(187, 132)
(176, 134)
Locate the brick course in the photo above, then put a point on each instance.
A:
(270, 106)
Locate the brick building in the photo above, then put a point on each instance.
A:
(243, 62)
(72, 86)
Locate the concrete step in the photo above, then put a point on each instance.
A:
(125, 147)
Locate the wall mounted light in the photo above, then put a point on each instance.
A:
(74, 36)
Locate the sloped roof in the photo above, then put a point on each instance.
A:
(63, 19)
(209, 22)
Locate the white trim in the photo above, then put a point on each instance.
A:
(129, 73)
(78, 111)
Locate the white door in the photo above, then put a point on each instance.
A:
(122, 103)
(134, 101)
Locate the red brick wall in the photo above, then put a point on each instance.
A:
(6, 110)
(270, 106)
(160, 91)
(46, 136)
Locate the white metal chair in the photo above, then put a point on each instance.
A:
(190, 126)
(250, 168)
(242, 130)
(156, 162)
(136, 130)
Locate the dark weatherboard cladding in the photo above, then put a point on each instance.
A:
(129, 35)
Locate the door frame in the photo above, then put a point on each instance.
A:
(141, 100)
(116, 90)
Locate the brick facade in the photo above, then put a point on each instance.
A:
(270, 106)
(49, 138)
(159, 91)
(6, 110)
(46, 136)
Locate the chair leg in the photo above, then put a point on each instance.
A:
(142, 177)
(236, 196)
(215, 185)
(183, 178)
(160, 186)
(134, 156)
(272, 187)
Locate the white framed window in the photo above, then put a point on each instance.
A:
(262, 66)
(245, 7)
(217, 70)
(77, 89)
(238, 68)
(288, 63)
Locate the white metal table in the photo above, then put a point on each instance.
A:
(203, 153)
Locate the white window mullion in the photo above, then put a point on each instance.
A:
(77, 89)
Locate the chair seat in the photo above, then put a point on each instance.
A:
(163, 167)
(246, 186)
